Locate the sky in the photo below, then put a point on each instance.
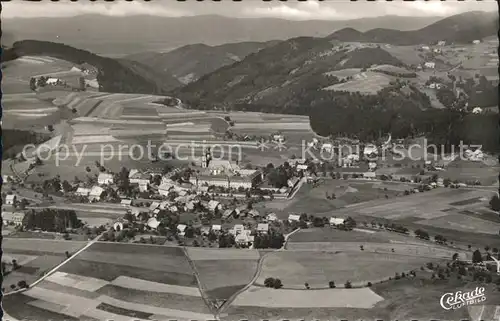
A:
(292, 10)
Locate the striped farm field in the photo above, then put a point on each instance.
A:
(35, 257)
(223, 272)
(413, 249)
(113, 281)
(295, 268)
(328, 298)
(109, 261)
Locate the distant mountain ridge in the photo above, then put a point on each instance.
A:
(276, 75)
(134, 34)
(114, 75)
(190, 62)
(461, 28)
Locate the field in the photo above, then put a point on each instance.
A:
(117, 281)
(368, 82)
(470, 171)
(35, 257)
(223, 272)
(328, 298)
(360, 234)
(294, 268)
(26, 111)
(17, 74)
(312, 200)
(421, 206)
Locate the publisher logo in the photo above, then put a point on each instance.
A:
(453, 301)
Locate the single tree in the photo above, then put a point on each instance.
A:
(278, 284)
(477, 257)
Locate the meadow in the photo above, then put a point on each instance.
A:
(318, 268)
(117, 281)
(223, 272)
(35, 257)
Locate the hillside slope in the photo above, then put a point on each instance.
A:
(190, 62)
(113, 76)
(279, 75)
(461, 28)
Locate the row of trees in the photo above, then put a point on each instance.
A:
(51, 220)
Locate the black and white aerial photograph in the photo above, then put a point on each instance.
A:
(250, 160)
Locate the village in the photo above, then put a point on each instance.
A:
(216, 202)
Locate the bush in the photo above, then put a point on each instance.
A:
(331, 285)
(273, 283)
(369, 284)
(348, 285)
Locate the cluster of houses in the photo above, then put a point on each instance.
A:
(188, 203)
(10, 214)
(226, 174)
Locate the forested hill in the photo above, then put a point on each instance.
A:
(114, 75)
(279, 76)
(189, 63)
(461, 28)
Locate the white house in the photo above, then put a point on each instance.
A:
(244, 237)
(271, 217)
(302, 167)
(214, 205)
(216, 227)
(154, 206)
(335, 221)
(430, 65)
(126, 202)
(10, 199)
(263, 228)
(426, 48)
(237, 229)
(181, 229)
(95, 193)
(164, 189)
(52, 81)
(143, 186)
(189, 206)
(173, 209)
(82, 191)
(477, 110)
(209, 180)
(254, 213)
(153, 223)
(476, 42)
(240, 181)
(105, 179)
(293, 218)
(441, 43)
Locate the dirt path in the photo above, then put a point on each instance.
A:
(201, 286)
(258, 270)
